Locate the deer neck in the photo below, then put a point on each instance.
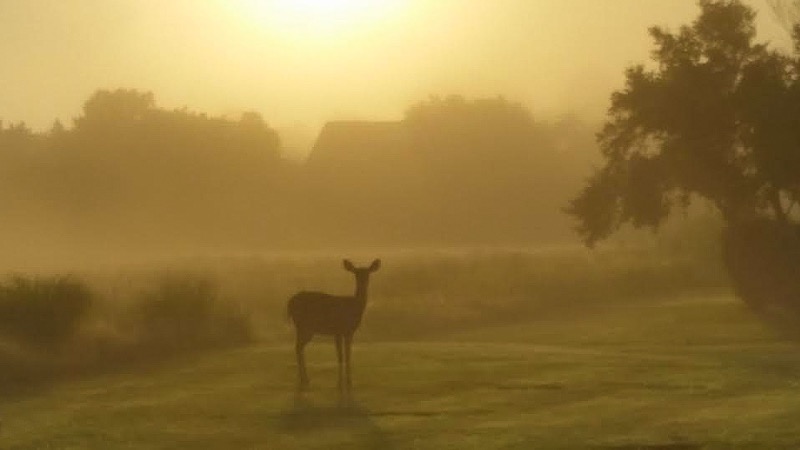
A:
(361, 292)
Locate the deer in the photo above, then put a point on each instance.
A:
(333, 315)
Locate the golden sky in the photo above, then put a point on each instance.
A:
(306, 61)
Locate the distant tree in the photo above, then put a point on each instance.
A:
(126, 161)
(466, 135)
(130, 130)
(716, 116)
(491, 168)
(57, 129)
(117, 108)
(127, 171)
(18, 145)
(16, 137)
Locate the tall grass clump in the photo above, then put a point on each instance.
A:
(183, 311)
(42, 312)
(418, 294)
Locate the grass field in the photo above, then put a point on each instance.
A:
(684, 370)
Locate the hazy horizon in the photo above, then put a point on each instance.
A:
(531, 223)
(300, 67)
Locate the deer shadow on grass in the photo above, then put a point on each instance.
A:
(305, 416)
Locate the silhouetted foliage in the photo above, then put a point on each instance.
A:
(130, 177)
(496, 172)
(462, 137)
(125, 161)
(716, 117)
(453, 171)
(42, 312)
(159, 156)
(185, 312)
(110, 111)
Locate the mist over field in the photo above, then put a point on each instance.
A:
(321, 126)
(399, 224)
(130, 179)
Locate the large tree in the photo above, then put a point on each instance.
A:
(715, 116)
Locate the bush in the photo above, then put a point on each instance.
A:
(763, 259)
(42, 312)
(185, 311)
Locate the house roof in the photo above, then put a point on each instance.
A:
(359, 144)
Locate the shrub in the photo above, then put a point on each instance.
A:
(763, 259)
(42, 312)
(185, 311)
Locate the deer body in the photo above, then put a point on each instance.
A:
(337, 316)
(325, 314)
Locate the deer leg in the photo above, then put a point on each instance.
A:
(348, 341)
(338, 339)
(301, 340)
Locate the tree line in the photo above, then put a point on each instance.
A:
(129, 174)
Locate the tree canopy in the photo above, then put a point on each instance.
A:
(713, 116)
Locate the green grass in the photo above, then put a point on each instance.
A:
(683, 371)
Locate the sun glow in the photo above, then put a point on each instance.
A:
(320, 19)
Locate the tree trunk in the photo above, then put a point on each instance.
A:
(763, 260)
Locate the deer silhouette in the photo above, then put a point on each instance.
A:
(333, 315)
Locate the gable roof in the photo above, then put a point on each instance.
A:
(342, 145)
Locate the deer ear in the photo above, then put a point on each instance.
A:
(375, 265)
(348, 265)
